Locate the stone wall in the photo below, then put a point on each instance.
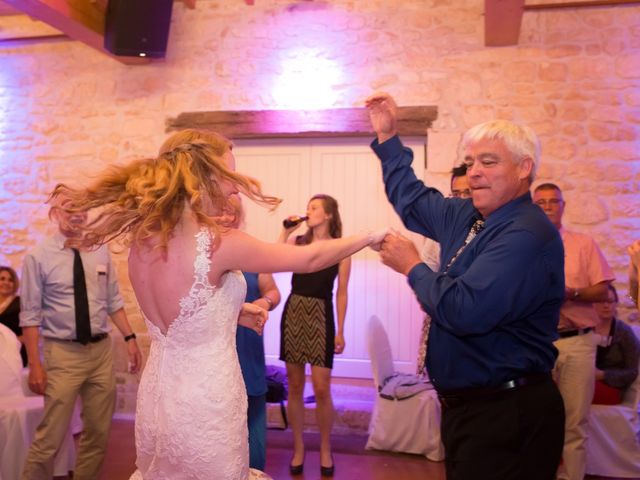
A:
(66, 111)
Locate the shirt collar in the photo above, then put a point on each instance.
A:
(507, 209)
(59, 239)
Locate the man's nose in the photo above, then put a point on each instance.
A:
(473, 170)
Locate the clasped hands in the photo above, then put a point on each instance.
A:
(254, 317)
(398, 252)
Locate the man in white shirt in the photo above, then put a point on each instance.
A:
(75, 363)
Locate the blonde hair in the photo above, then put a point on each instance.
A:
(146, 198)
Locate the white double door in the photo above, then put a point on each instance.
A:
(348, 170)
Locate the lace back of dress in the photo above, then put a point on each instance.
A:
(201, 290)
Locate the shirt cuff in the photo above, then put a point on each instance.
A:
(417, 273)
(388, 148)
(115, 305)
(30, 320)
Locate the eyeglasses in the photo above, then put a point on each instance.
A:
(553, 202)
(466, 193)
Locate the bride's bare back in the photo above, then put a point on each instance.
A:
(160, 280)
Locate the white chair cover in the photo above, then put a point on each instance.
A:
(411, 425)
(20, 414)
(10, 363)
(613, 449)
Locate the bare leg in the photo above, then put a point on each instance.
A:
(295, 409)
(321, 378)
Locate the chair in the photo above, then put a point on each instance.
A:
(613, 449)
(411, 425)
(20, 414)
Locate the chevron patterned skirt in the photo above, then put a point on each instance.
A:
(307, 331)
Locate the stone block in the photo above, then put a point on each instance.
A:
(442, 150)
(552, 72)
(628, 66)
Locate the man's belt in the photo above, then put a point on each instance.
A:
(95, 338)
(575, 332)
(454, 398)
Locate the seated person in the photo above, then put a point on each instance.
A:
(10, 305)
(618, 353)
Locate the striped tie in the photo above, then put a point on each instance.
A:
(426, 324)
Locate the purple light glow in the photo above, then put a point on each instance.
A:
(307, 81)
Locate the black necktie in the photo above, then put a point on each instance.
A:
(81, 300)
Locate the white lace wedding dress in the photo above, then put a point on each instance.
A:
(191, 415)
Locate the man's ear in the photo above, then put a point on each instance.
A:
(526, 167)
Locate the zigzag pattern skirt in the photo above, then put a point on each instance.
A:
(307, 331)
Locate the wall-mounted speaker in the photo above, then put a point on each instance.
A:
(138, 28)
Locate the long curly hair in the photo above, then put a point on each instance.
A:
(146, 198)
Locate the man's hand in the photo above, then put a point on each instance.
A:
(37, 379)
(253, 317)
(399, 253)
(383, 113)
(135, 356)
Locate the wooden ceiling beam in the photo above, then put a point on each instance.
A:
(502, 20)
(583, 4)
(191, 4)
(80, 20)
(7, 10)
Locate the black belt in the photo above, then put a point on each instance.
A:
(454, 398)
(95, 338)
(573, 333)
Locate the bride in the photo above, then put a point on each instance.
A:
(184, 266)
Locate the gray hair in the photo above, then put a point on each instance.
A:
(520, 140)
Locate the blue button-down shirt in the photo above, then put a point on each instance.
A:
(46, 293)
(495, 310)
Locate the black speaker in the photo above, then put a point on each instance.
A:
(137, 28)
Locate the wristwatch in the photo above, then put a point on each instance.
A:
(576, 293)
(130, 337)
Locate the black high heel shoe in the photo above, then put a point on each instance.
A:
(297, 469)
(328, 471)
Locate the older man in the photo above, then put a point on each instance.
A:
(69, 294)
(494, 301)
(587, 275)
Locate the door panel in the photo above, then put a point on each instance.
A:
(346, 169)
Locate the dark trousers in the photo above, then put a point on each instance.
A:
(513, 435)
(257, 423)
